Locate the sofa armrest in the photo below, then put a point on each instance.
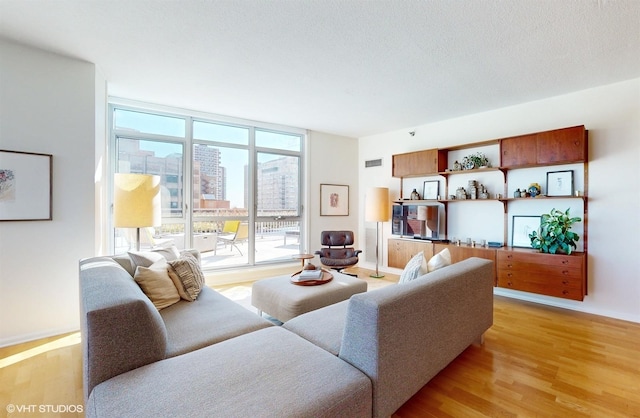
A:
(121, 329)
(401, 336)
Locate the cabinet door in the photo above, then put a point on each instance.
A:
(419, 163)
(400, 251)
(461, 252)
(567, 145)
(519, 151)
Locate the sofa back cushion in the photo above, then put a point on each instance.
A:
(401, 336)
(121, 328)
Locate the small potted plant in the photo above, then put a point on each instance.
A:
(554, 234)
(477, 160)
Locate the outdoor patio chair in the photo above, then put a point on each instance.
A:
(241, 236)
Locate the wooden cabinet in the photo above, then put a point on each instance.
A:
(562, 146)
(461, 252)
(556, 275)
(400, 251)
(519, 151)
(559, 146)
(419, 163)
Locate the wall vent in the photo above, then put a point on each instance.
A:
(373, 163)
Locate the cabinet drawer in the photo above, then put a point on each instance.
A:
(540, 269)
(576, 260)
(534, 277)
(550, 289)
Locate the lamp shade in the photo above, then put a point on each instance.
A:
(136, 201)
(377, 204)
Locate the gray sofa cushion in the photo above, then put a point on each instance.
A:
(209, 319)
(323, 327)
(267, 373)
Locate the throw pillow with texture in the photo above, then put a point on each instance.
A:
(187, 276)
(442, 259)
(412, 269)
(157, 285)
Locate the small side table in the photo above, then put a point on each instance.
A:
(303, 257)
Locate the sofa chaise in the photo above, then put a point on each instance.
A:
(211, 357)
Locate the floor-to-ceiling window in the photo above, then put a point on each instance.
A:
(231, 190)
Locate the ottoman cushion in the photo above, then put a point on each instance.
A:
(284, 300)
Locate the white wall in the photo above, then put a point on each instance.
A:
(612, 116)
(47, 105)
(331, 159)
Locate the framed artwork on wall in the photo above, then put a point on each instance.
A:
(334, 200)
(25, 186)
(560, 183)
(521, 227)
(431, 190)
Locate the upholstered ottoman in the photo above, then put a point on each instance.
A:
(284, 300)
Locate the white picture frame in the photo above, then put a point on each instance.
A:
(521, 227)
(25, 186)
(334, 200)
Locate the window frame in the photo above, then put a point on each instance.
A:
(188, 142)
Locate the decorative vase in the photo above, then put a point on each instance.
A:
(415, 195)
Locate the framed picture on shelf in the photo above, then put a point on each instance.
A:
(334, 200)
(560, 183)
(431, 190)
(25, 186)
(521, 227)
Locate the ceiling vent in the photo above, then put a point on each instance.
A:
(373, 163)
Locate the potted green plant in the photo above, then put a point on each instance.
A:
(554, 234)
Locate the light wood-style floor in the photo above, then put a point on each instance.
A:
(536, 361)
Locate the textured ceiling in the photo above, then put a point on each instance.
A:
(350, 67)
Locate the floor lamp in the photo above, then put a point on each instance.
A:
(377, 210)
(136, 202)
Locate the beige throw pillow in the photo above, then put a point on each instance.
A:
(157, 285)
(187, 276)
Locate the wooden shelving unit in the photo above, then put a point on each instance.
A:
(519, 271)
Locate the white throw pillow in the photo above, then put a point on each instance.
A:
(442, 259)
(412, 269)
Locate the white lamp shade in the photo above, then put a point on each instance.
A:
(377, 205)
(136, 201)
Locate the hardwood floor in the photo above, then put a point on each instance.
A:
(536, 361)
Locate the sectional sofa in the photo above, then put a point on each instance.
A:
(211, 357)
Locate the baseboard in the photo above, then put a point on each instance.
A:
(559, 303)
(23, 338)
